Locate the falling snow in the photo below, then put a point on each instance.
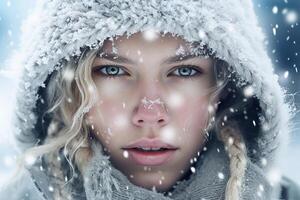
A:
(221, 175)
(50, 188)
(150, 35)
(125, 154)
(275, 9)
(248, 91)
(30, 159)
(291, 17)
(193, 170)
(274, 176)
(286, 74)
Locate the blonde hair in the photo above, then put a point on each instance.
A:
(70, 95)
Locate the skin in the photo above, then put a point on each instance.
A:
(119, 116)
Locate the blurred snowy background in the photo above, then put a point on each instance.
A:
(280, 20)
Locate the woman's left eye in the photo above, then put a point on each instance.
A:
(186, 71)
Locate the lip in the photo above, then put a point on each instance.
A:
(150, 158)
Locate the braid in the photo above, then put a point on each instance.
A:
(235, 146)
(56, 175)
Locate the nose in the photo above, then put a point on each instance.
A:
(150, 113)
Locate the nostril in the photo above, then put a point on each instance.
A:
(140, 121)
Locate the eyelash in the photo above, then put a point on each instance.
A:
(103, 69)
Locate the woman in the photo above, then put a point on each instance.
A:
(149, 100)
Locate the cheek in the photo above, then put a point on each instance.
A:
(108, 119)
(191, 116)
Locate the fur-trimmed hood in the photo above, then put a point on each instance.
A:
(59, 29)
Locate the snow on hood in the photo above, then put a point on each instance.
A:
(58, 29)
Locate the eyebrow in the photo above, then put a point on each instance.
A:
(121, 59)
(179, 58)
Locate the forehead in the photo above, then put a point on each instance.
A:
(140, 42)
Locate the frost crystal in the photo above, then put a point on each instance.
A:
(180, 51)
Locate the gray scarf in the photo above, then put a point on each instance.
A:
(103, 181)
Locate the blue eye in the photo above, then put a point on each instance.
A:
(186, 71)
(110, 70)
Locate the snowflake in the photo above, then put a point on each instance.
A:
(291, 17)
(50, 188)
(150, 35)
(274, 176)
(275, 9)
(30, 159)
(120, 120)
(175, 100)
(125, 154)
(193, 170)
(220, 175)
(286, 74)
(248, 91)
(168, 134)
(201, 34)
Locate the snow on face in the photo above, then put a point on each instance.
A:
(165, 97)
(150, 35)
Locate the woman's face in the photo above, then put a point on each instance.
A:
(152, 107)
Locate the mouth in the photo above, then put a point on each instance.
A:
(150, 152)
